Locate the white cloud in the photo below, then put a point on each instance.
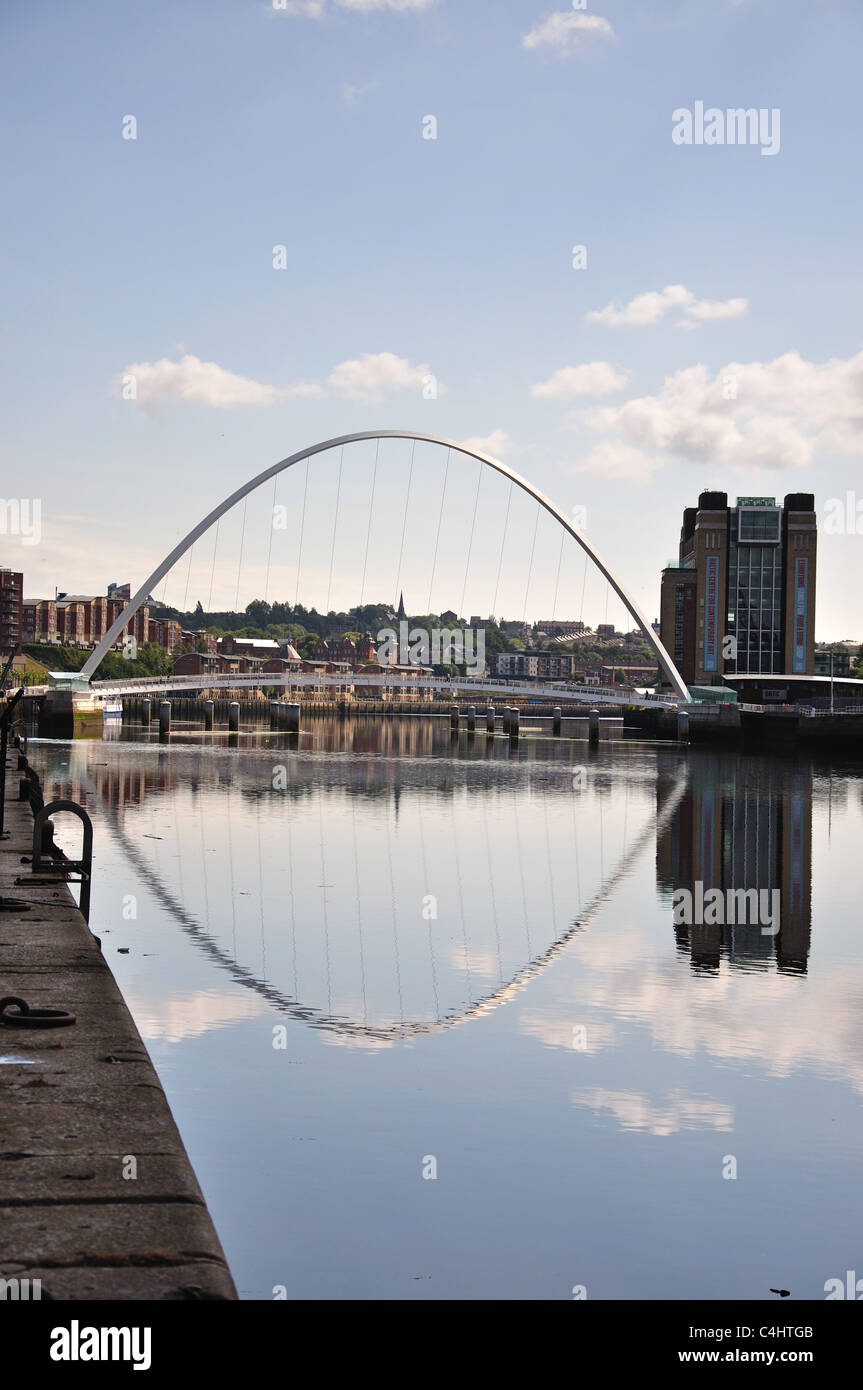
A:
(653, 305)
(612, 459)
(200, 383)
(755, 415)
(588, 379)
(374, 375)
(369, 377)
(497, 443)
(316, 9)
(566, 32)
(302, 9)
(352, 90)
(398, 5)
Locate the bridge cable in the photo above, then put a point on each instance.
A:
(493, 900)
(530, 565)
(213, 566)
(188, 577)
(480, 470)
(521, 877)
(405, 518)
(437, 536)
(335, 526)
(583, 587)
(240, 562)
(302, 529)
(371, 514)
(394, 912)
(461, 898)
(324, 911)
(502, 548)
(270, 542)
(557, 582)
(420, 819)
(261, 889)
(353, 799)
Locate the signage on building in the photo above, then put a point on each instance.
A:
(773, 692)
(801, 592)
(711, 611)
(756, 501)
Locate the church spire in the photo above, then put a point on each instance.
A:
(401, 615)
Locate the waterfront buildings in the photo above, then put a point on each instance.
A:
(81, 620)
(11, 618)
(540, 665)
(740, 598)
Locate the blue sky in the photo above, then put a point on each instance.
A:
(408, 256)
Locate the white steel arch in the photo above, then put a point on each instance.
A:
(662, 656)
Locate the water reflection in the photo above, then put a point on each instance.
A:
(434, 924)
(742, 825)
(382, 899)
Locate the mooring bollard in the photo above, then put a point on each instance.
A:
(593, 726)
(504, 720)
(471, 719)
(489, 719)
(233, 717)
(453, 721)
(145, 711)
(209, 707)
(292, 711)
(514, 716)
(682, 726)
(164, 718)
(555, 721)
(275, 706)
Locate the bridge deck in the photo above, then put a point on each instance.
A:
(463, 690)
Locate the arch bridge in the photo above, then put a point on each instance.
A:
(117, 627)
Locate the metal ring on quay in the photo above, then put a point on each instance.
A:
(33, 1018)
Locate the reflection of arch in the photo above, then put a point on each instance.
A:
(159, 573)
(395, 1032)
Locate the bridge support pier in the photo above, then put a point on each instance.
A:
(489, 719)
(292, 712)
(233, 717)
(682, 726)
(453, 722)
(471, 719)
(504, 723)
(514, 717)
(555, 722)
(164, 718)
(209, 707)
(593, 726)
(145, 713)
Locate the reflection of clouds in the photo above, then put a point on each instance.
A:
(555, 1033)
(189, 1015)
(784, 1023)
(677, 1111)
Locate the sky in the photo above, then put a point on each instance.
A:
(233, 230)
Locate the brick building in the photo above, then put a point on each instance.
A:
(11, 611)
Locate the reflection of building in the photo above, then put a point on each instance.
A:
(742, 825)
(741, 597)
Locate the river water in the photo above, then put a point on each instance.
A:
(430, 1029)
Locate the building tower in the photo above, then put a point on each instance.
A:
(740, 599)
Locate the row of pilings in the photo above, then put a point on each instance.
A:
(284, 715)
